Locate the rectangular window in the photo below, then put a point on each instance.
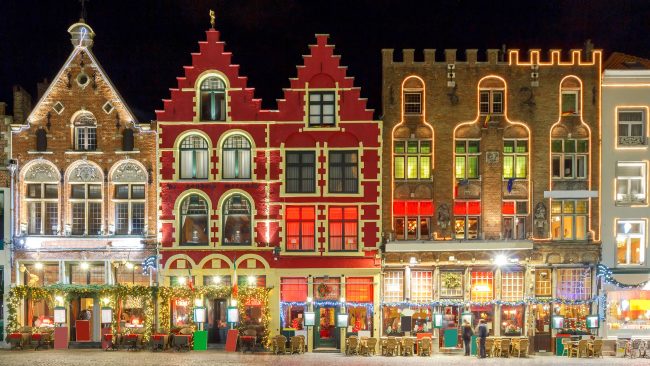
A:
(512, 286)
(451, 284)
(421, 286)
(322, 108)
(301, 172)
(569, 219)
(514, 219)
(42, 208)
(543, 282)
(467, 159)
(574, 284)
(86, 138)
(466, 219)
(359, 289)
(630, 241)
(327, 288)
(94, 218)
(413, 219)
(570, 102)
(78, 218)
(412, 103)
(343, 229)
(131, 276)
(412, 159)
(515, 159)
(122, 218)
(293, 289)
(570, 158)
(482, 286)
(632, 127)
(491, 102)
(631, 183)
(393, 286)
(301, 228)
(343, 172)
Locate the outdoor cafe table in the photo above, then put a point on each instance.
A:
(572, 344)
(160, 341)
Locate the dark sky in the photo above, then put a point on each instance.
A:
(143, 44)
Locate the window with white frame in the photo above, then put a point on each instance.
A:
(421, 286)
(412, 102)
(451, 284)
(543, 282)
(194, 224)
(393, 286)
(412, 159)
(468, 153)
(237, 221)
(570, 102)
(512, 285)
(194, 160)
(85, 132)
(514, 219)
(42, 201)
(515, 158)
(213, 99)
(322, 108)
(86, 205)
(574, 283)
(129, 201)
(491, 101)
(236, 155)
(630, 241)
(482, 286)
(631, 182)
(570, 158)
(569, 219)
(631, 123)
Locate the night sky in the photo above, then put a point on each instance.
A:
(143, 45)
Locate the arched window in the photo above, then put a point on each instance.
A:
(236, 158)
(42, 200)
(236, 221)
(570, 97)
(129, 180)
(85, 132)
(194, 221)
(491, 96)
(412, 96)
(213, 99)
(194, 158)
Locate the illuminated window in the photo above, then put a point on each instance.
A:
(359, 289)
(482, 285)
(48, 274)
(213, 99)
(631, 127)
(451, 284)
(569, 219)
(468, 153)
(194, 221)
(512, 285)
(467, 216)
(393, 286)
(293, 289)
(491, 101)
(343, 172)
(413, 103)
(413, 219)
(131, 276)
(301, 232)
(514, 219)
(129, 201)
(94, 275)
(236, 158)
(421, 286)
(237, 218)
(630, 241)
(193, 163)
(343, 229)
(85, 132)
(412, 159)
(630, 183)
(86, 204)
(543, 282)
(570, 158)
(322, 108)
(301, 172)
(515, 159)
(574, 283)
(42, 201)
(570, 102)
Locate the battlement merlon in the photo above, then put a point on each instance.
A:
(575, 57)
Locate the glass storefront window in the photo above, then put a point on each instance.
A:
(40, 314)
(132, 313)
(628, 313)
(180, 312)
(574, 317)
(483, 312)
(512, 320)
(391, 320)
(359, 319)
(294, 317)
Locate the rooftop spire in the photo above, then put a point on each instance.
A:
(82, 18)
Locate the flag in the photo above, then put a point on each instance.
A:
(190, 282)
(511, 182)
(235, 282)
(487, 119)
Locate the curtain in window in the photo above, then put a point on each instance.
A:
(201, 162)
(293, 289)
(229, 163)
(359, 289)
(244, 160)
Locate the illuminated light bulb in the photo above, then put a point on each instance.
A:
(309, 299)
(106, 300)
(181, 280)
(38, 265)
(198, 302)
(233, 302)
(251, 280)
(343, 299)
(129, 265)
(85, 266)
(500, 260)
(216, 280)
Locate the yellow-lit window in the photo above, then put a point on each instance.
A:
(412, 159)
(630, 240)
(515, 159)
(543, 282)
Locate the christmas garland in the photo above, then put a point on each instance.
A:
(608, 277)
(165, 294)
(526, 301)
(259, 295)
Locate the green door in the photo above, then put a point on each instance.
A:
(326, 334)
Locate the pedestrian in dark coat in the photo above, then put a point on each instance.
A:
(467, 337)
(482, 334)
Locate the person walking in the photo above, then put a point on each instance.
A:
(467, 337)
(482, 333)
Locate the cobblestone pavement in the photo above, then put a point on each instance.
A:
(144, 358)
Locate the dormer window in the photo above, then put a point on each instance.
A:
(85, 132)
(491, 102)
(213, 99)
(322, 111)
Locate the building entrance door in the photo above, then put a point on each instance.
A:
(217, 326)
(326, 335)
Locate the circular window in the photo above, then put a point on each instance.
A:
(82, 79)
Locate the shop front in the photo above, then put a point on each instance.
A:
(628, 313)
(327, 293)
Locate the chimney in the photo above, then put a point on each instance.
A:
(22, 104)
(588, 49)
(41, 87)
(3, 109)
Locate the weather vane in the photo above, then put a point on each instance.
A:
(212, 18)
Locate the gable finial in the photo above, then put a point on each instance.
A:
(83, 10)
(212, 18)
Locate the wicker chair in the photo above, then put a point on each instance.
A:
(567, 346)
(596, 349)
(424, 346)
(368, 348)
(281, 345)
(390, 348)
(408, 344)
(503, 348)
(580, 350)
(635, 348)
(297, 344)
(520, 348)
(352, 346)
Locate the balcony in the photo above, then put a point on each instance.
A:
(632, 141)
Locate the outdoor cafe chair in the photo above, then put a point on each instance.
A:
(408, 344)
(424, 346)
(352, 346)
(368, 348)
(280, 345)
(391, 347)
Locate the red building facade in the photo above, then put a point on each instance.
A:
(287, 199)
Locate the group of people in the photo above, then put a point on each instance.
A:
(468, 332)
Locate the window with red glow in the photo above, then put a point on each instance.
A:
(412, 219)
(343, 228)
(293, 289)
(467, 219)
(508, 208)
(301, 222)
(359, 289)
(482, 286)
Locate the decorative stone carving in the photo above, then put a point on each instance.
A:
(540, 219)
(129, 172)
(632, 140)
(85, 172)
(444, 220)
(492, 157)
(41, 173)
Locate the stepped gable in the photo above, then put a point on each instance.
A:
(211, 57)
(322, 69)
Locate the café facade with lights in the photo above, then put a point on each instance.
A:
(491, 193)
(281, 203)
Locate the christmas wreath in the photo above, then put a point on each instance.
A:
(323, 290)
(451, 280)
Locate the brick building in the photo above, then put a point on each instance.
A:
(5, 209)
(491, 190)
(286, 199)
(84, 185)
